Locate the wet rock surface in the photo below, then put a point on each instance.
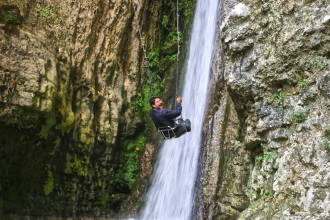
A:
(73, 139)
(266, 149)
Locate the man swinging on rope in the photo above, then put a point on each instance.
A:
(164, 117)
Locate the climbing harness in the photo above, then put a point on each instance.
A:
(167, 132)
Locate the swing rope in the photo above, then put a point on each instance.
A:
(177, 53)
(178, 49)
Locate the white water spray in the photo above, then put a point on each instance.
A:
(171, 194)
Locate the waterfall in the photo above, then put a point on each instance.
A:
(170, 196)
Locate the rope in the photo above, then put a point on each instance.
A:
(178, 52)
(178, 45)
(145, 57)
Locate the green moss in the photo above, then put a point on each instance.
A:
(51, 14)
(49, 186)
(318, 62)
(266, 156)
(300, 116)
(129, 168)
(278, 97)
(79, 166)
(302, 83)
(50, 123)
(10, 15)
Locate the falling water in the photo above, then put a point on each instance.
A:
(171, 194)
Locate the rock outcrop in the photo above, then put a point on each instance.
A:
(73, 104)
(266, 144)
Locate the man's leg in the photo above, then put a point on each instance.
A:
(183, 127)
(180, 130)
(187, 124)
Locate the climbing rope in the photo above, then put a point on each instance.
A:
(178, 48)
(177, 54)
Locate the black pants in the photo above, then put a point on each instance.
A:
(183, 126)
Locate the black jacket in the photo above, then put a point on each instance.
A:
(165, 117)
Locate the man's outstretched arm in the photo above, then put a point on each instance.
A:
(171, 114)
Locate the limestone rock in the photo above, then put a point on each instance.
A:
(272, 63)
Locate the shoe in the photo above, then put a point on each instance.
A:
(187, 125)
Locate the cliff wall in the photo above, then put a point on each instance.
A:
(266, 142)
(75, 137)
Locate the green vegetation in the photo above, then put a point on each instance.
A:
(187, 10)
(266, 156)
(130, 164)
(49, 186)
(267, 195)
(302, 83)
(51, 14)
(278, 97)
(300, 116)
(10, 16)
(326, 142)
(318, 62)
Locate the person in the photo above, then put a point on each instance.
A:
(164, 118)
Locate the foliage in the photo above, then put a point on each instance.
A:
(49, 186)
(300, 115)
(50, 13)
(302, 83)
(153, 58)
(153, 84)
(278, 97)
(266, 156)
(318, 62)
(327, 131)
(130, 167)
(187, 10)
(267, 195)
(165, 20)
(326, 143)
(10, 16)
(170, 58)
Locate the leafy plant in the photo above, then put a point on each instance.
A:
(302, 83)
(326, 142)
(300, 116)
(130, 165)
(327, 146)
(49, 186)
(165, 20)
(318, 62)
(187, 8)
(267, 195)
(10, 17)
(50, 13)
(278, 97)
(327, 131)
(171, 58)
(153, 58)
(266, 156)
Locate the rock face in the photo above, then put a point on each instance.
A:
(266, 151)
(72, 108)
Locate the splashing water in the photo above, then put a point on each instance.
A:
(170, 196)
